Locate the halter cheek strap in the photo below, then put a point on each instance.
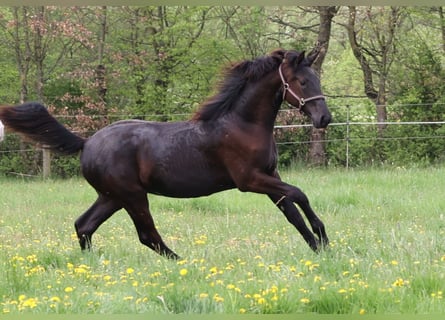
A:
(286, 88)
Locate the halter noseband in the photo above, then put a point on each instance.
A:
(286, 88)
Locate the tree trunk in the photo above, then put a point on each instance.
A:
(442, 26)
(39, 50)
(317, 149)
(380, 107)
(377, 96)
(22, 55)
(370, 91)
(100, 69)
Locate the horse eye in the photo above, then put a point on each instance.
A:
(302, 82)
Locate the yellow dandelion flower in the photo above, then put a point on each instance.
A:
(31, 258)
(128, 298)
(130, 270)
(80, 269)
(203, 295)
(30, 303)
(394, 262)
(242, 310)
(218, 298)
(342, 291)
(313, 266)
(261, 301)
(305, 300)
(362, 311)
(155, 274)
(299, 274)
(213, 270)
(399, 282)
(69, 289)
(183, 272)
(231, 286)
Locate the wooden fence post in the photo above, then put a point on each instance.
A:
(46, 159)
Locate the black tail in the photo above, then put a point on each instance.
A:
(33, 121)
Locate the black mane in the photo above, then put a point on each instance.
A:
(234, 82)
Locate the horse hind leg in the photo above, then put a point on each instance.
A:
(103, 208)
(137, 208)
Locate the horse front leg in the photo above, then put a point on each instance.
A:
(294, 217)
(284, 196)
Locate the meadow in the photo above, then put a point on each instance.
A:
(239, 255)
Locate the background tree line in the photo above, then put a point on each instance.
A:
(94, 65)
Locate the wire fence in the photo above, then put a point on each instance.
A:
(346, 135)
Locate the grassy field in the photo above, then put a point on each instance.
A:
(240, 255)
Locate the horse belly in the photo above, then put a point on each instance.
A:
(188, 181)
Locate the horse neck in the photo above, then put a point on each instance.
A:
(256, 104)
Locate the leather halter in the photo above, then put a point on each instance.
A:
(286, 88)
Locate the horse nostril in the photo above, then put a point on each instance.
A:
(325, 120)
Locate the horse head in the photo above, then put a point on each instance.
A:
(301, 87)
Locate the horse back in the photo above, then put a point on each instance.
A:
(177, 159)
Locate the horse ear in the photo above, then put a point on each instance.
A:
(279, 53)
(294, 58)
(299, 58)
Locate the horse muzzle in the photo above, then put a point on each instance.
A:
(319, 113)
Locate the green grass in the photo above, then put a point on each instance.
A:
(240, 255)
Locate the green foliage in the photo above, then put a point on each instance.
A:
(162, 62)
(63, 94)
(13, 161)
(8, 79)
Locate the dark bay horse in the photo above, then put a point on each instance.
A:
(228, 143)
